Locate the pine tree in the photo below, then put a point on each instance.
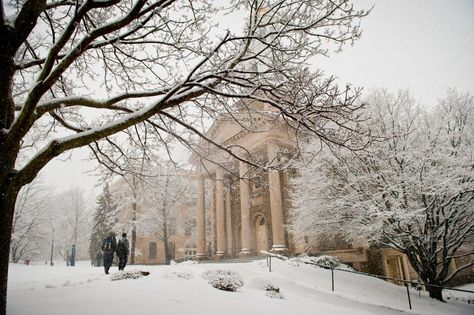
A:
(102, 222)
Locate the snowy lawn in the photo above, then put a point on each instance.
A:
(462, 297)
(181, 289)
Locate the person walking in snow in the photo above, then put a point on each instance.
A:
(109, 246)
(122, 251)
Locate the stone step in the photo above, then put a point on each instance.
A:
(232, 260)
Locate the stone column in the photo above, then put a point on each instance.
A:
(406, 271)
(220, 213)
(245, 210)
(212, 211)
(201, 220)
(228, 219)
(276, 205)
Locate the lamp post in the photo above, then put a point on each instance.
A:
(73, 255)
(52, 250)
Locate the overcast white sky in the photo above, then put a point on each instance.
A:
(424, 45)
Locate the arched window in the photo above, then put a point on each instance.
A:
(152, 250)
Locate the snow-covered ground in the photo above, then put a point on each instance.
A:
(180, 289)
(458, 296)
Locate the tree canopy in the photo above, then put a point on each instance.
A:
(411, 189)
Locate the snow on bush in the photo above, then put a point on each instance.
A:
(322, 261)
(178, 275)
(274, 294)
(226, 283)
(326, 261)
(271, 290)
(129, 274)
(225, 280)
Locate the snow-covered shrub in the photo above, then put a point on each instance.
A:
(226, 283)
(178, 275)
(225, 280)
(271, 290)
(274, 294)
(326, 261)
(129, 274)
(322, 261)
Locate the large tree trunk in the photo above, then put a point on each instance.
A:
(166, 243)
(134, 234)
(8, 191)
(7, 104)
(427, 270)
(435, 293)
(8, 194)
(132, 248)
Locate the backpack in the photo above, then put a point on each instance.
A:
(122, 247)
(108, 245)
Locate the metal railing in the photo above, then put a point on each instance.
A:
(416, 284)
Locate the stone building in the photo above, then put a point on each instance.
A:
(249, 208)
(242, 211)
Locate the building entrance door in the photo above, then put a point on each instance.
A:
(394, 268)
(261, 234)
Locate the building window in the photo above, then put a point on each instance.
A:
(258, 182)
(172, 226)
(189, 226)
(152, 250)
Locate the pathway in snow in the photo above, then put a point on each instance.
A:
(180, 290)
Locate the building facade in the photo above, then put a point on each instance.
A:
(240, 210)
(249, 208)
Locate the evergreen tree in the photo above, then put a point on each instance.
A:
(102, 222)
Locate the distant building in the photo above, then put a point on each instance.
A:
(234, 217)
(149, 245)
(249, 216)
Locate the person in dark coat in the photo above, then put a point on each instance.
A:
(109, 246)
(73, 256)
(122, 251)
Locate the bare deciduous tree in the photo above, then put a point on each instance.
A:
(71, 221)
(166, 194)
(29, 221)
(128, 195)
(411, 190)
(75, 72)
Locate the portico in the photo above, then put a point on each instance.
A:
(235, 204)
